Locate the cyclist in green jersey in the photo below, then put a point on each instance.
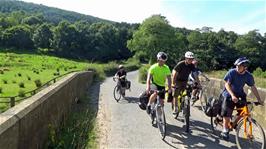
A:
(157, 74)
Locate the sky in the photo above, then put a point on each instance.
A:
(239, 16)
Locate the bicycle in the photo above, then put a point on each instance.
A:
(201, 95)
(183, 104)
(157, 113)
(244, 125)
(119, 90)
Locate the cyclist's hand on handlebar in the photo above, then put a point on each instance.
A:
(234, 99)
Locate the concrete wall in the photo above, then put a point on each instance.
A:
(25, 126)
(215, 87)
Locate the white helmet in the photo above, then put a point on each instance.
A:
(162, 56)
(189, 54)
(120, 66)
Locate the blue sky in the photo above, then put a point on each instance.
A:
(239, 16)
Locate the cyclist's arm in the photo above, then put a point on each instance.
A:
(229, 89)
(148, 81)
(256, 93)
(174, 74)
(205, 76)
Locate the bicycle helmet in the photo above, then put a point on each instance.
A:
(242, 61)
(162, 56)
(189, 54)
(120, 66)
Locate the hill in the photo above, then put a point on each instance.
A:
(53, 15)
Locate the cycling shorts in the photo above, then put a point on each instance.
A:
(228, 106)
(159, 88)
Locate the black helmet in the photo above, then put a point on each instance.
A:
(162, 56)
(242, 61)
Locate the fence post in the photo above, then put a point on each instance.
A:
(12, 101)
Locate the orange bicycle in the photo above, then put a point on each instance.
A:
(249, 133)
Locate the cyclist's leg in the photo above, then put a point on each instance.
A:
(227, 110)
(238, 105)
(152, 98)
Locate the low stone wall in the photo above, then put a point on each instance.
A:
(26, 125)
(215, 87)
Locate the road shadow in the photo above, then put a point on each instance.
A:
(190, 140)
(128, 99)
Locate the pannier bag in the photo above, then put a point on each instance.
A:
(128, 84)
(143, 100)
(213, 106)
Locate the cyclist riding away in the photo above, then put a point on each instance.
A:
(157, 74)
(121, 75)
(194, 79)
(235, 79)
(180, 75)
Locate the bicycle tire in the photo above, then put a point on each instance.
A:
(117, 93)
(241, 141)
(186, 113)
(161, 121)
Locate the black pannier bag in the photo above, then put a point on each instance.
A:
(143, 100)
(213, 107)
(128, 84)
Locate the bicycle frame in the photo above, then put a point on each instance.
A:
(244, 115)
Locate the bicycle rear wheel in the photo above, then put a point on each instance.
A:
(253, 138)
(117, 93)
(161, 122)
(186, 113)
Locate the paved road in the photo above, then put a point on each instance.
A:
(127, 126)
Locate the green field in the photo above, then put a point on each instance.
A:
(18, 72)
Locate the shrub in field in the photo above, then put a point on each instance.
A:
(14, 81)
(1, 71)
(21, 93)
(29, 78)
(4, 81)
(21, 85)
(56, 74)
(38, 83)
(65, 68)
(57, 69)
(1, 90)
(19, 74)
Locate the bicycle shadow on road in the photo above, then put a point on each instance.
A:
(191, 140)
(127, 100)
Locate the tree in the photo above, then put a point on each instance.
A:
(154, 35)
(18, 36)
(250, 45)
(43, 36)
(66, 40)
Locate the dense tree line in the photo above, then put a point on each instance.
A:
(214, 50)
(99, 41)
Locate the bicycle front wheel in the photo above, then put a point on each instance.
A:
(186, 113)
(250, 135)
(117, 93)
(161, 122)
